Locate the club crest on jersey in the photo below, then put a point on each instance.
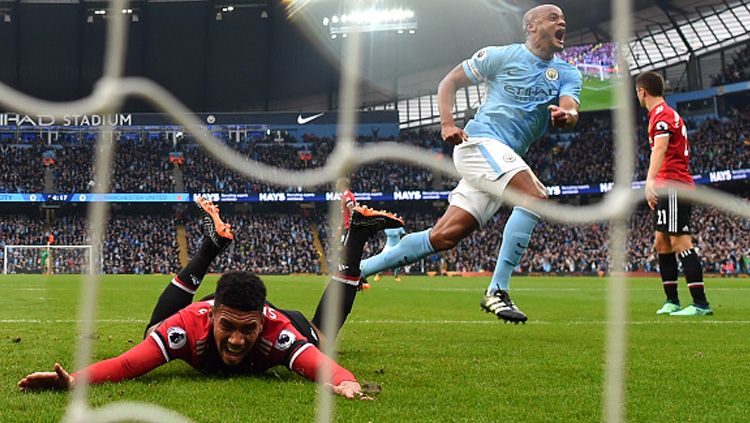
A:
(176, 337)
(551, 74)
(509, 157)
(284, 340)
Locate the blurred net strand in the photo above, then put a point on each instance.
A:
(97, 227)
(613, 397)
(112, 89)
(345, 148)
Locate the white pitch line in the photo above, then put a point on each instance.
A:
(45, 321)
(671, 321)
(657, 287)
(667, 321)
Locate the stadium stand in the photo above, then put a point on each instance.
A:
(283, 243)
(143, 165)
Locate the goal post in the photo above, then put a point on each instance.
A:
(47, 259)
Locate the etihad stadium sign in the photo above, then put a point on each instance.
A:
(15, 119)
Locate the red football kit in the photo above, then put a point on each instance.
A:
(663, 120)
(347, 202)
(188, 335)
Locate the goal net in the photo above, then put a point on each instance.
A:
(47, 259)
(114, 87)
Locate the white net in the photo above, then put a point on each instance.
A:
(113, 88)
(46, 259)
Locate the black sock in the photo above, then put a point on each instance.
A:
(345, 278)
(347, 293)
(668, 271)
(693, 269)
(192, 275)
(179, 293)
(353, 244)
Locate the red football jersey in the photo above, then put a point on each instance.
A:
(188, 335)
(663, 120)
(347, 203)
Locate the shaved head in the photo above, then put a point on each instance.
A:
(535, 13)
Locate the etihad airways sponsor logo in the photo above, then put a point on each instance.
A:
(531, 93)
(15, 119)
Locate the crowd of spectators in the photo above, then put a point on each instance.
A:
(736, 71)
(284, 243)
(582, 156)
(278, 243)
(599, 54)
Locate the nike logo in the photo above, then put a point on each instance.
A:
(518, 244)
(303, 120)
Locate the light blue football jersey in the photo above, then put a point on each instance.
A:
(520, 86)
(393, 236)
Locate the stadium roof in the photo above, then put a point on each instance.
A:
(666, 32)
(258, 57)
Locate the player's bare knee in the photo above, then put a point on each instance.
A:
(681, 244)
(662, 246)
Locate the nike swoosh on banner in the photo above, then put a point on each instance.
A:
(302, 121)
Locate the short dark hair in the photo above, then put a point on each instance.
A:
(652, 82)
(243, 291)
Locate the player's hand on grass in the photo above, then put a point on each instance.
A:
(350, 390)
(40, 381)
(651, 194)
(453, 135)
(559, 116)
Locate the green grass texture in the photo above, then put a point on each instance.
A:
(437, 356)
(597, 95)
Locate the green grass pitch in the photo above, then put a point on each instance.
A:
(436, 355)
(597, 95)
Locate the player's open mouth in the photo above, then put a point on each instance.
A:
(560, 35)
(232, 354)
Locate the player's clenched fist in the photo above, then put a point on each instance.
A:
(560, 117)
(453, 135)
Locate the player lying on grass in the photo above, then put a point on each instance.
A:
(235, 331)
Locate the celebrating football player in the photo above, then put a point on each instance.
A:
(527, 89)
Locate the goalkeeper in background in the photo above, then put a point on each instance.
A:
(45, 255)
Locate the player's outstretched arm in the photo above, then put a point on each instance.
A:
(309, 359)
(59, 379)
(135, 362)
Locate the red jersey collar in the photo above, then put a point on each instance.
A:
(653, 109)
